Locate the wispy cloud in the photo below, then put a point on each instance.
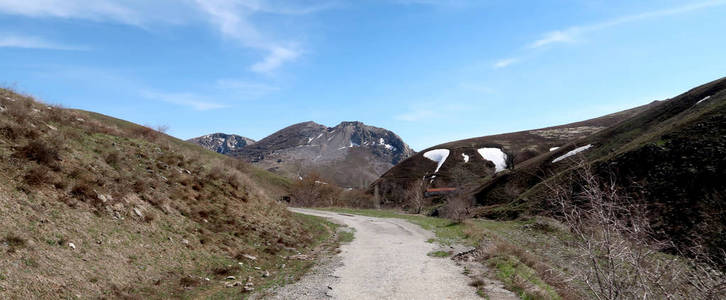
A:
(232, 18)
(190, 100)
(503, 63)
(100, 10)
(32, 42)
(572, 34)
(435, 2)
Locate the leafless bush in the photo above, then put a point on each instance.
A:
(39, 151)
(356, 198)
(459, 201)
(313, 191)
(162, 128)
(145, 132)
(457, 207)
(113, 158)
(37, 176)
(620, 257)
(414, 195)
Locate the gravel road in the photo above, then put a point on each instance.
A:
(386, 260)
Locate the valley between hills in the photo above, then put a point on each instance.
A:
(627, 205)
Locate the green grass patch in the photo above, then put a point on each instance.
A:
(521, 279)
(439, 253)
(346, 236)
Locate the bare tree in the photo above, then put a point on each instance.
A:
(459, 200)
(414, 195)
(619, 256)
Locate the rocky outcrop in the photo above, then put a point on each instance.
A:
(351, 154)
(221, 142)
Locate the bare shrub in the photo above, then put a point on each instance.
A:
(83, 191)
(356, 198)
(39, 151)
(619, 256)
(14, 242)
(145, 132)
(162, 128)
(457, 207)
(37, 175)
(14, 132)
(216, 173)
(414, 195)
(459, 201)
(313, 191)
(113, 158)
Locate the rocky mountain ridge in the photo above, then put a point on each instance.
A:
(350, 154)
(221, 142)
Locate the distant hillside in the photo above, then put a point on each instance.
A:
(672, 156)
(471, 162)
(350, 154)
(97, 207)
(221, 142)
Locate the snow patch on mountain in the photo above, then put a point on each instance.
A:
(571, 153)
(495, 155)
(437, 155)
(554, 148)
(704, 99)
(466, 157)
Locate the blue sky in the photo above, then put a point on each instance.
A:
(431, 71)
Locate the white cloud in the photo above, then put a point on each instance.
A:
(435, 2)
(557, 36)
(503, 63)
(193, 101)
(571, 34)
(31, 42)
(232, 18)
(274, 59)
(98, 10)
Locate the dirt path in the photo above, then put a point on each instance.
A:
(386, 260)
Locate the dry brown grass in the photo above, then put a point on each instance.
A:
(39, 151)
(38, 175)
(86, 176)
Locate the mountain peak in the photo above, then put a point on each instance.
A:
(222, 142)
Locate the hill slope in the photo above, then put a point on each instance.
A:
(222, 142)
(671, 156)
(350, 154)
(96, 207)
(465, 165)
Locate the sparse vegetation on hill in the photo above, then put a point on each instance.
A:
(94, 206)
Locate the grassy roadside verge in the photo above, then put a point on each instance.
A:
(523, 254)
(282, 269)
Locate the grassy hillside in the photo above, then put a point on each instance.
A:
(93, 206)
(672, 157)
(520, 147)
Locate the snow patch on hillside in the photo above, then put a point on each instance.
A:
(704, 99)
(495, 155)
(466, 157)
(554, 148)
(437, 155)
(571, 153)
